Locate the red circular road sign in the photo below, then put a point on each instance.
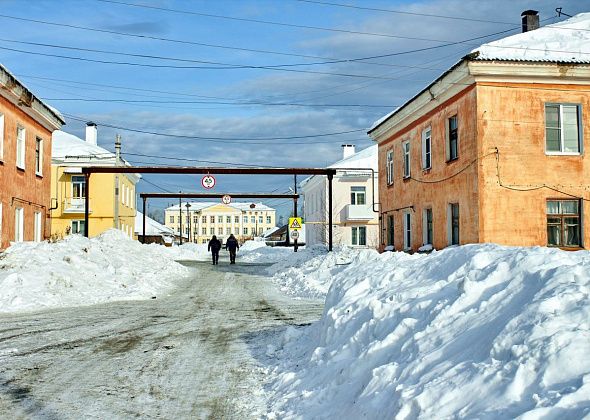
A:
(226, 199)
(208, 181)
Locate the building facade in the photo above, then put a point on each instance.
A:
(26, 125)
(201, 220)
(112, 196)
(354, 201)
(493, 150)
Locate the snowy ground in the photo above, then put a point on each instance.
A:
(478, 331)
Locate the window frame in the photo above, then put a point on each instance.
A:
(406, 154)
(427, 154)
(451, 224)
(355, 235)
(407, 230)
(427, 226)
(452, 134)
(355, 194)
(580, 128)
(389, 166)
(80, 226)
(562, 216)
(21, 147)
(391, 230)
(2, 136)
(37, 226)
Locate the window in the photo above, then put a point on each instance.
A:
(427, 226)
(204, 219)
(228, 219)
(0, 223)
(245, 231)
(563, 223)
(406, 151)
(212, 219)
(357, 195)
(1, 136)
(203, 241)
(236, 219)
(359, 235)
(78, 226)
(38, 156)
(252, 219)
(427, 148)
(390, 231)
(220, 231)
(131, 197)
(227, 231)
(260, 219)
(195, 220)
(452, 138)
(37, 227)
(171, 219)
(78, 190)
(407, 230)
(268, 220)
(212, 231)
(260, 231)
(220, 219)
(245, 219)
(204, 231)
(562, 128)
(20, 147)
(389, 167)
(454, 224)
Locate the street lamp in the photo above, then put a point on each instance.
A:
(188, 216)
(252, 206)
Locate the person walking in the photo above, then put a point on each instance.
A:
(214, 246)
(232, 245)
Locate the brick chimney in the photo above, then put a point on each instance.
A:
(91, 133)
(347, 150)
(530, 20)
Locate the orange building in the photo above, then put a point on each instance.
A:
(494, 149)
(26, 125)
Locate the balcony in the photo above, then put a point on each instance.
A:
(360, 212)
(75, 205)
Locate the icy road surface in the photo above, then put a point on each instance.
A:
(185, 355)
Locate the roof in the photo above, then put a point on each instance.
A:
(70, 147)
(200, 205)
(152, 228)
(366, 158)
(564, 42)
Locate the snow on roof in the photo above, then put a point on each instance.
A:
(199, 205)
(152, 227)
(366, 158)
(567, 41)
(67, 145)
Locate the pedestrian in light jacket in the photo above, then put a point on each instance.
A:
(232, 245)
(214, 246)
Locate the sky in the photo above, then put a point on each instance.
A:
(242, 82)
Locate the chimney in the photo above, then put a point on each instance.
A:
(530, 20)
(347, 150)
(91, 133)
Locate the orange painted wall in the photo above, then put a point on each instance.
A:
(511, 117)
(460, 176)
(23, 188)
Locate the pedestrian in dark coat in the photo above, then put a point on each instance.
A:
(214, 247)
(232, 245)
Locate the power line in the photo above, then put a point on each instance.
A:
(196, 160)
(375, 9)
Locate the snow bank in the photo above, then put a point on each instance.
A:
(82, 271)
(478, 331)
(184, 252)
(309, 272)
(258, 252)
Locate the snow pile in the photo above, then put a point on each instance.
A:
(184, 252)
(309, 273)
(478, 331)
(258, 252)
(82, 271)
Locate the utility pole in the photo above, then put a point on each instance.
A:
(188, 219)
(117, 163)
(295, 209)
(180, 216)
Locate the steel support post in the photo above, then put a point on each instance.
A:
(330, 177)
(143, 231)
(87, 204)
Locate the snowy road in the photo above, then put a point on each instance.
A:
(185, 355)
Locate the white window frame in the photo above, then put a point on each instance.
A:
(427, 151)
(407, 232)
(1, 136)
(389, 166)
(425, 226)
(19, 224)
(39, 157)
(451, 158)
(561, 136)
(407, 158)
(356, 192)
(37, 226)
(0, 224)
(79, 229)
(21, 143)
(358, 235)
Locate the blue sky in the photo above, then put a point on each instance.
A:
(239, 112)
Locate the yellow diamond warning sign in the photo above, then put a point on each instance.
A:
(295, 223)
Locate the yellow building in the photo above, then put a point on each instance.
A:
(200, 221)
(68, 188)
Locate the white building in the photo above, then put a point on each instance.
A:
(354, 199)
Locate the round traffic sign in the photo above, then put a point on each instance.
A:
(208, 181)
(226, 199)
(295, 234)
